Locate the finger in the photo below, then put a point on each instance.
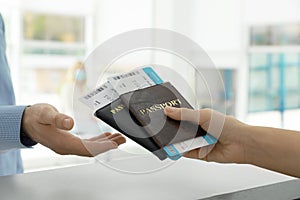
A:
(200, 153)
(114, 135)
(183, 114)
(75, 146)
(209, 120)
(104, 135)
(65, 143)
(94, 147)
(192, 154)
(107, 140)
(119, 139)
(204, 152)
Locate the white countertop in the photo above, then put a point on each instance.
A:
(183, 179)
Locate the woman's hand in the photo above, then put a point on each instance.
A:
(271, 148)
(230, 133)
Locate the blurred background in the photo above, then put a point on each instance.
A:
(255, 45)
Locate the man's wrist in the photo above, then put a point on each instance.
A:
(24, 137)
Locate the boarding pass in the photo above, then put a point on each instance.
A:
(180, 148)
(100, 97)
(136, 79)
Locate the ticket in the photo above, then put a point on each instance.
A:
(100, 97)
(175, 151)
(136, 79)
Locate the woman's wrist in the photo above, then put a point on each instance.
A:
(249, 144)
(245, 139)
(257, 145)
(273, 149)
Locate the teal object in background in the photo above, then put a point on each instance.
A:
(274, 82)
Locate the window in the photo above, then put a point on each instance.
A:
(274, 68)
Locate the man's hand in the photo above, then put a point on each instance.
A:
(45, 125)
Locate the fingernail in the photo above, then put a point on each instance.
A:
(169, 109)
(67, 123)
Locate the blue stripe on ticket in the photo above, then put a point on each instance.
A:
(175, 157)
(210, 139)
(153, 75)
(172, 152)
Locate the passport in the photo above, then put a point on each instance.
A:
(117, 116)
(146, 108)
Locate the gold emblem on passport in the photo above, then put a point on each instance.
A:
(156, 107)
(117, 109)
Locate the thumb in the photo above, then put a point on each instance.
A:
(49, 116)
(210, 120)
(183, 114)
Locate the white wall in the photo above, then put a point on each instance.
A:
(114, 17)
(268, 11)
(215, 25)
(61, 6)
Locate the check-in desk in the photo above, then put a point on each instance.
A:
(183, 179)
